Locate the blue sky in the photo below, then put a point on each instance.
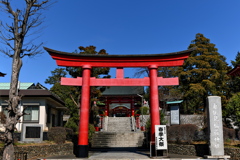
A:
(130, 27)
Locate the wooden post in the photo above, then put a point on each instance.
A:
(84, 114)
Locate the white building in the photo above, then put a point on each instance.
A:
(45, 108)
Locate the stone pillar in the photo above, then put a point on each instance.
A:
(215, 128)
(82, 151)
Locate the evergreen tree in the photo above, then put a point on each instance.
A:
(166, 93)
(203, 74)
(233, 109)
(72, 94)
(237, 60)
(235, 80)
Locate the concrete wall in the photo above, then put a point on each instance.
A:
(198, 120)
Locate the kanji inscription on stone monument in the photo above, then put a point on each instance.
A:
(215, 125)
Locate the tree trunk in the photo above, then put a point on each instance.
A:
(22, 21)
(13, 111)
(8, 153)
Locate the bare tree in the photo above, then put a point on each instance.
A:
(13, 35)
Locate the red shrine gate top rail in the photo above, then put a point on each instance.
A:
(119, 61)
(143, 60)
(87, 61)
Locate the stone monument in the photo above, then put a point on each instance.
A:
(215, 128)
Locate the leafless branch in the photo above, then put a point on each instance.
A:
(13, 36)
(6, 52)
(20, 114)
(141, 71)
(8, 7)
(34, 50)
(74, 100)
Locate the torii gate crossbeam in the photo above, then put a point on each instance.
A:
(151, 61)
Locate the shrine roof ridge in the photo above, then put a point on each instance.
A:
(122, 55)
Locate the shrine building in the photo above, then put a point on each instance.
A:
(121, 101)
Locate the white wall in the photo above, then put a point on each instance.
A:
(43, 102)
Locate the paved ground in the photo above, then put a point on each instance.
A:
(126, 155)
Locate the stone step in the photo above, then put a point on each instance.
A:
(119, 124)
(111, 139)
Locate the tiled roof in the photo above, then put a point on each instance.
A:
(174, 102)
(2, 74)
(33, 93)
(22, 85)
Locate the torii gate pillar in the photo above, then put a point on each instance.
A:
(154, 100)
(152, 61)
(84, 113)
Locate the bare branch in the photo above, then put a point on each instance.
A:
(13, 36)
(20, 114)
(8, 6)
(2, 137)
(34, 50)
(74, 100)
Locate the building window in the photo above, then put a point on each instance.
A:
(33, 112)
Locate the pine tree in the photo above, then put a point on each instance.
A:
(232, 110)
(203, 74)
(237, 60)
(235, 80)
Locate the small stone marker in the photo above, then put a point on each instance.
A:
(215, 128)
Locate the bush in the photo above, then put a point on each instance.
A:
(144, 110)
(228, 134)
(173, 133)
(57, 134)
(183, 133)
(72, 123)
(91, 131)
(69, 134)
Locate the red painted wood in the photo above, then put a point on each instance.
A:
(154, 110)
(120, 72)
(235, 71)
(126, 63)
(119, 61)
(160, 60)
(119, 81)
(84, 111)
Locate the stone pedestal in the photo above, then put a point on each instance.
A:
(217, 157)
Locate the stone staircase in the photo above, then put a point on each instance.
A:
(119, 134)
(119, 124)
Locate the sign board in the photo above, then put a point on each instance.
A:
(32, 133)
(175, 118)
(161, 137)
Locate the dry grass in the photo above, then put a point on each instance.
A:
(199, 142)
(33, 144)
(232, 143)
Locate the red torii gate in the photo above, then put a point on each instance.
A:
(86, 61)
